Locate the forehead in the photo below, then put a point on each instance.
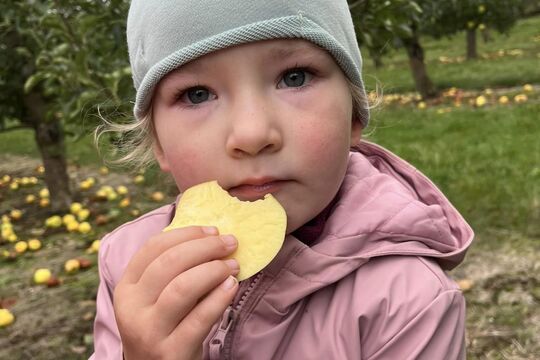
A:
(271, 51)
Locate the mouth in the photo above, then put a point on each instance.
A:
(256, 189)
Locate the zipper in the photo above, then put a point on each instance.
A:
(221, 342)
(216, 343)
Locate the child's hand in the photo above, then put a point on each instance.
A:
(172, 292)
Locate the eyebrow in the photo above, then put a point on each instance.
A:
(277, 53)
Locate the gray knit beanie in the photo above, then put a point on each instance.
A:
(163, 35)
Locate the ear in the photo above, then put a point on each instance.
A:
(160, 157)
(356, 132)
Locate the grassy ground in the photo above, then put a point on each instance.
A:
(486, 158)
(507, 60)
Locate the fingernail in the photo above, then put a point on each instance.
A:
(229, 240)
(210, 230)
(232, 264)
(229, 283)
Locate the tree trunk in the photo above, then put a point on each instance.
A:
(50, 140)
(486, 35)
(376, 58)
(418, 68)
(471, 44)
(377, 62)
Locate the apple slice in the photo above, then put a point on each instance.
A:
(259, 226)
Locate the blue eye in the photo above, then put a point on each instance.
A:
(295, 78)
(198, 95)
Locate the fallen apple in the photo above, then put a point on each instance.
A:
(6, 317)
(41, 276)
(21, 246)
(34, 244)
(72, 265)
(259, 226)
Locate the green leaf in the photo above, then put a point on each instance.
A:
(32, 81)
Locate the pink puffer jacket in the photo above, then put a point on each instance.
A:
(372, 286)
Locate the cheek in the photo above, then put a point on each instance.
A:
(186, 168)
(325, 137)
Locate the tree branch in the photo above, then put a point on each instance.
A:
(355, 4)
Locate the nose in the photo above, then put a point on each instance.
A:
(254, 128)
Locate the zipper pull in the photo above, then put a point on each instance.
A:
(216, 343)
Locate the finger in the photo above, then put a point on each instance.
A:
(160, 243)
(197, 324)
(188, 288)
(179, 259)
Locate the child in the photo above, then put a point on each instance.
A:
(266, 96)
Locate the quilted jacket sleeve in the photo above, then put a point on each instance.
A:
(437, 332)
(107, 343)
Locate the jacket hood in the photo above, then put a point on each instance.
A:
(384, 207)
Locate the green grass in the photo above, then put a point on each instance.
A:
(499, 72)
(487, 161)
(21, 142)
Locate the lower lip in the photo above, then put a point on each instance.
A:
(255, 192)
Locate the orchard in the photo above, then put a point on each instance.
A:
(466, 116)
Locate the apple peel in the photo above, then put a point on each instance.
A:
(259, 226)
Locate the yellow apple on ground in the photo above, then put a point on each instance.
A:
(83, 214)
(85, 185)
(44, 193)
(66, 219)
(112, 195)
(75, 207)
(259, 226)
(53, 222)
(157, 196)
(139, 179)
(6, 317)
(30, 199)
(34, 244)
(72, 226)
(480, 101)
(72, 265)
(85, 227)
(465, 284)
(41, 276)
(94, 248)
(21, 246)
(124, 203)
(122, 190)
(44, 202)
(15, 214)
(520, 98)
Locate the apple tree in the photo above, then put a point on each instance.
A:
(61, 59)
(472, 16)
(381, 25)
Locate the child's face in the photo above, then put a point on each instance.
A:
(274, 113)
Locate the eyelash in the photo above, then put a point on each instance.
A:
(180, 93)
